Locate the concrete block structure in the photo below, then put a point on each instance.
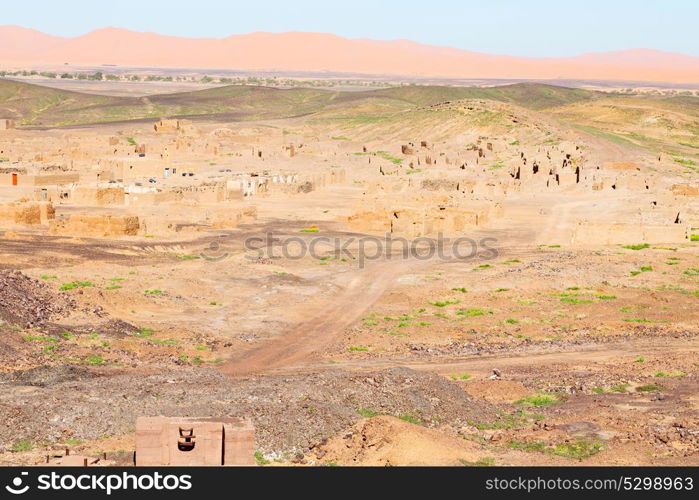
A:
(183, 441)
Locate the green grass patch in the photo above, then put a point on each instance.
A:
(39, 338)
(539, 400)
(444, 303)
(578, 450)
(144, 332)
(367, 412)
(260, 458)
(184, 256)
(463, 376)
(154, 291)
(75, 284)
(643, 269)
(574, 301)
(474, 312)
(22, 445)
(648, 388)
(357, 349)
(640, 246)
(93, 359)
(410, 418)
(164, 341)
(386, 156)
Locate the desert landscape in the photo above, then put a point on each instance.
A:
(369, 272)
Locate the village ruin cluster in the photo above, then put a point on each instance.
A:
(176, 177)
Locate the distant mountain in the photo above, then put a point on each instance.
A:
(18, 43)
(319, 52)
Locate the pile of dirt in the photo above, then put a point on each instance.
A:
(112, 328)
(27, 302)
(44, 376)
(291, 413)
(387, 441)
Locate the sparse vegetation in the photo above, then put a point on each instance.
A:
(357, 349)
(640, 246)
(75, 284)
(444, 303)
(22, 445)
(539, 400)
(410, 418)
(367, 412)
(93, 359)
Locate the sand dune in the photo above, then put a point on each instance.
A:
(299, 51)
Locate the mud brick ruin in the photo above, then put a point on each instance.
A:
(181, 441)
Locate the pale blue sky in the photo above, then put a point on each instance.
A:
(526, 27)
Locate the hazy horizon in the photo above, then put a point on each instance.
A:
(551, 29)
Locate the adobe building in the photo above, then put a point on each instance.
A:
(189, 441)
(7, 123)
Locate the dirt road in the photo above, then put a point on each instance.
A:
(327, 322)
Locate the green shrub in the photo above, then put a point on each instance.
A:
(75, 284)
(539, 400)
(444, 303)
(474, 312)
(260, 458)
(410, 418)
(144, 332)
(575, 301)
(22, 445)
(648, 388)
(93, 359)
(641, 246)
